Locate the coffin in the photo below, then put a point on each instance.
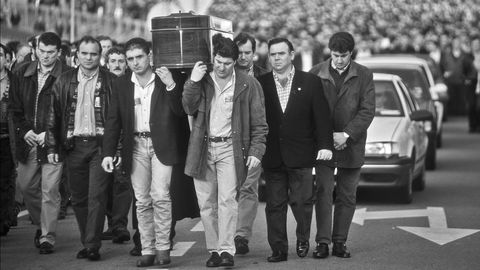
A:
(181, 39)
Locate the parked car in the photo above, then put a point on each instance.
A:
(397, 142)
(413, 71)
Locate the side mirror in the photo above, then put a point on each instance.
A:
(421, 115)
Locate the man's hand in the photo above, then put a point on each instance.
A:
(41, 139)
(31, 138)
(198, 71)
(252, 162)
(53, 158)
(324, 154)
(339, 140)
(165, 75)
(107, 164)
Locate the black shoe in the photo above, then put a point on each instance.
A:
(82, 254)
(120, 236)
(241, 245)
(46, 248)
(162, 256)
(146, 261)
(227, 259)
(302, 248)
(107, 235)
(340, 250)
(36, 239)
(136, 251)
(214, 260)
(321, 251)
(93, 254)
(277, 256)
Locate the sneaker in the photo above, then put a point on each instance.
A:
(241, 245)
(46, 248)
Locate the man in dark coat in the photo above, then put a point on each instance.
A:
(351, 97)
(299, 132)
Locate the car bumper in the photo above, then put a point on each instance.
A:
(385, 173)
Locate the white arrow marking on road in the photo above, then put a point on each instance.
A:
(198, 227)
(180, 248)
(438, 232)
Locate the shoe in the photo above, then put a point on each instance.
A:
(120, 236)
(214, 260)
(163, 256)
(36, 239)
(226, 259)
(136, 251)
(302, 248)
(340, 250)
(277, 256)
(107, 235)
(146, 261)
(82, 254)
(46, 248)
(241, 245)
(321, 251)
(93, 254)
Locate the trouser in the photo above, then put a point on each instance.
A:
(248, 203)
(216, 195)
(457, 99)
(285, 186)
(7, 186)
(151, 184)
(64, 191)
(39, 184)
(119, 199)
(345, 201)
(88, 187)
(473, 109)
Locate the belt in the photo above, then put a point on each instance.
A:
(146, 134)
(86, 139)
(219, 139)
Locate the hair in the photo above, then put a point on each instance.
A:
(137, 43)
(224, 47)
(341, 42)
(243, 37)
(274, 41)
(6, 50)
(33, 41)
(50, 38)
(89, 39)
(100, 38)
(114, 50)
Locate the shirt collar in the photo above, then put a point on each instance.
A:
(290, 74)
(44, 71)
(340, 71)
(82, 76)
(134, 80)
(231, 82)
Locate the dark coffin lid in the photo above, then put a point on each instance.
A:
(185, 21)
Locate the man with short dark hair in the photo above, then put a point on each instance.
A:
(30, 101)
(227, 140)
(248, 197)
(75, 129)
(116, 61)
(107, 43)
(299, 133)
(351, 97)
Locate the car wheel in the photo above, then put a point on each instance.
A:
(419, 181)
(405, 192)
(431, 158)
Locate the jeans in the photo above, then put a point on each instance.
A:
(248, 203)
(216, 196)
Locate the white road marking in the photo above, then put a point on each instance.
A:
(180, 248)
(198, 227)
(22, 213)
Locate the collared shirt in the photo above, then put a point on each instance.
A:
(284, 92)
(250, 71)
(222, 107)
(340, 71)
(143, 100)
(85, 113)
(42, 76)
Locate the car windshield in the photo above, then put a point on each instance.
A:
(413, 78)
(387, 102)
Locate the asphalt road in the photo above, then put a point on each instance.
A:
(440, 229)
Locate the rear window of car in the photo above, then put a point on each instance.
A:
(413, 77)
(387, 102)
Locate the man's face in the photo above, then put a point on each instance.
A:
(341, 59)
(117, 64)
(88, 55)
(47, 54)
(245, 56)
(223, 66)
(280, 57)
(138, 61)
(106, 45)
(3, 59)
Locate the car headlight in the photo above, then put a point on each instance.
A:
(427, 126)
(382, 149)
